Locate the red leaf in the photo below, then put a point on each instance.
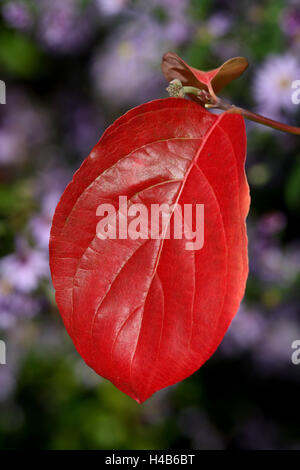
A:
(174, 67)
(145, 314)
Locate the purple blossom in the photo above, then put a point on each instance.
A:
(11, 146)
(50, 201)
(175, 26)
(269, 262)
(111, 7)
(49, 190)
(24, 127)
(30, 119)
(266, 261)
(246, 330)
(50, 185)
(17, 15)
(290, 22)
(25, 268)
(126, 72)
(40, 227)
(271, 224)
(15, 306)
(84, 125)
(218, 25)
(64, 26)
(40, 224)
(226, 49)
(272, 87)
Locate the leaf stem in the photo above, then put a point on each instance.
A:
(209, 100)
(280, 126)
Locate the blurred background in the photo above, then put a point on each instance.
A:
(71, 67)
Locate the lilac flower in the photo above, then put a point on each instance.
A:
(17, 15)
(40, 227)
(272, 87)
(24, 126)
(50, 185)
(49, 188)
(271, 224)
(40, 224)
(50, 201)
(11, 146)
(24, 269)
(30, 119)
(175, 26)
(126, 72)
(83, 132)
(268, 261)
(218, 25)
(290, 22)
(64, 26)
(84, 125)
(111, 7)
(15, 306)
(246, 330)
(227, 48)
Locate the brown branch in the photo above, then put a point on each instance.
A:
(209, 100)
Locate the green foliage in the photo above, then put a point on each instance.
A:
(20, 56)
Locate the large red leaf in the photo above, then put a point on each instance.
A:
(145, 314)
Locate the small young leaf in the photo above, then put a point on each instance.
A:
(174, 67)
